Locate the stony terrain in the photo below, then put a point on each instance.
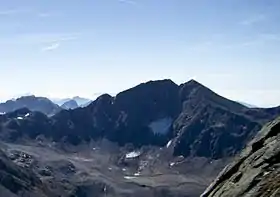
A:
(102, 169)
(256, 172)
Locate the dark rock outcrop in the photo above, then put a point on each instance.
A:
(17, 181)
(256, 172)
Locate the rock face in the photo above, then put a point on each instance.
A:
(198, 121)
(17, 181)
(256, 172)
(33, 103)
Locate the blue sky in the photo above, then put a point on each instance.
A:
(87, 47)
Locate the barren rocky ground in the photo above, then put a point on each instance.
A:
(103, 169)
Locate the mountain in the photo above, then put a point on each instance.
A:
(80, 101)
(33, 103)
(71, 104)
(256, 172)
(195, 120)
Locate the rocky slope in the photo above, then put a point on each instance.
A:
(256, 172)
(17, 181)
(192, 119)
(33, 103)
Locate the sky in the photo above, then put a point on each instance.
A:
(63, 48)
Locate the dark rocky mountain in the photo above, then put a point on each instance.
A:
(71, 104)
(33, 103)
(256, 172)
(195, 120)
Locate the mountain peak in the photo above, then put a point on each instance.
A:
(71, 104)
(193, 84)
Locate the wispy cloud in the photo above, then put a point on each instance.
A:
(270, 37)
(45, 38)
(55, 42)
(24, 11)
(44, 41)
(10, 12)
(51, 47)
(44, 15)
(254, 19)
(258, 40)
(127, 1)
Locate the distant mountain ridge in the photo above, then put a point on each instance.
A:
(33, 103)
(191, 118)
(71, 104)
(79, 100)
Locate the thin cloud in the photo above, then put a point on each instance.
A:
(44, 15)
(270, 37)
(24, 11)
(55, 43)
(127, 1)
(12, 12)
(51, 47)
(43, 38)
(254, 19)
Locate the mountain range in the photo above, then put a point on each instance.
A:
(33, 103)
(134, 143)
(196, 121)
(79, 100)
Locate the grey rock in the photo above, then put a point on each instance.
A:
(256, 172)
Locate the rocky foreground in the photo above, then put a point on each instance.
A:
(257, 170)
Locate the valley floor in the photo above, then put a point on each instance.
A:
(103, 169)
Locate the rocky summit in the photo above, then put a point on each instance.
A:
(256, 172)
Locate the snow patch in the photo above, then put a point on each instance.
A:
(172, 164)
(129, 177)
(161, 126)
(20, 118)
(137, 174)
(168, 144)
(2, 113)
(26, 115)
(132, 154)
